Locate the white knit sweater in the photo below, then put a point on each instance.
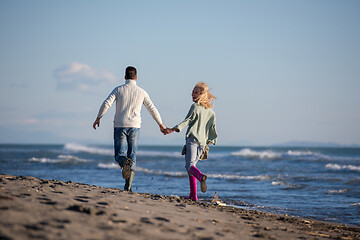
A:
(129, 100)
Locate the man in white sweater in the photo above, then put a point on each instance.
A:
(127, 121)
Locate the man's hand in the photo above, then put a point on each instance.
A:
(168, 131)
(162, 128)
(97, 122)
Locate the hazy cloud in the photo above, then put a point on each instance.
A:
(50, 122)
(81, 77)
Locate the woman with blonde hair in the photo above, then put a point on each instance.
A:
(201, 132)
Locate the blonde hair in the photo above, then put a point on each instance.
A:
(205, 98)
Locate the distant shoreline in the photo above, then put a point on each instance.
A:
(281, 145)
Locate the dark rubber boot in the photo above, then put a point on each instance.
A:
(129, 181)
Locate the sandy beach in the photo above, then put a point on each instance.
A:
(32, 208)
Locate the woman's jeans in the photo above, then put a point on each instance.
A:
(125, 145)
(193, 153)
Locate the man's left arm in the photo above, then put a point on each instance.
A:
(154, 112)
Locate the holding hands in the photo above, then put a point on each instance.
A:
(166, 130)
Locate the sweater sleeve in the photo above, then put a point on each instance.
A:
(189, 117)
(212, 138)
(107, 103)
(152, 109)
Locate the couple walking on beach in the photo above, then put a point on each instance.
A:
(129, 99)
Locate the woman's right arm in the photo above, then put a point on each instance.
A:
(189, 118)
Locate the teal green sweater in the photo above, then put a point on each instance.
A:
(201, 122)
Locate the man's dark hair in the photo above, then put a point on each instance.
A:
(130, 72)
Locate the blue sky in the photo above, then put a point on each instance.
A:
(281, 70)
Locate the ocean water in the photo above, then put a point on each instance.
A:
(318, 183)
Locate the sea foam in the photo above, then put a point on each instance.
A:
(342, 167)
(108, 166)
(289, 155)
(60, 159)
(184, 174)
(247, 152)
(94, 150)
(74, 147)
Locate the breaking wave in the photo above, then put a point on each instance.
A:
(94, 150)
(338, 191)
(184, 174)
(73, 147)
(289, 154)
(342, 167)
(247, 152)
(60, 159)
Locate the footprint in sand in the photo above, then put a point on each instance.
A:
(35, 227)
(23, 195)
(79, 208)
(57, 224)
(50, 202)
(62, 220)
(44, 182)
(162, 219)
(146, 220)
(58, 192)
(45, 200)
(100, 213)
(114, 220)
(84, 209)
(81, 198)
(181, 205)
(6, 197)
(11, 178)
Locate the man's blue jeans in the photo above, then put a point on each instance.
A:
(125, 145)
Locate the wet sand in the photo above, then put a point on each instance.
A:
(32, 208)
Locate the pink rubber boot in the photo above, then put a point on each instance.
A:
(193, 188)
(199, 176)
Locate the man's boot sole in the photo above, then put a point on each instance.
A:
(126, 169)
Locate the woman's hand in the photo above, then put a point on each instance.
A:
(168, 131)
